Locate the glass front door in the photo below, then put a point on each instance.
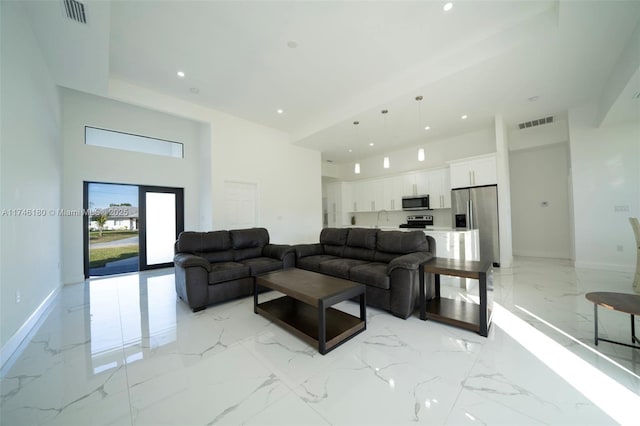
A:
(130, 227)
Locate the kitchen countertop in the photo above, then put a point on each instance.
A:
(396, 228)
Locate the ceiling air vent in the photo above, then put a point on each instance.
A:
(534, 123)
(75, 11)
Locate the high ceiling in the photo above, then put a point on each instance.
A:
(326, 64)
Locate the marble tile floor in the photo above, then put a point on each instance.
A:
(124, 351)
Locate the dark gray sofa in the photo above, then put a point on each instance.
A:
(212, 267)
(386, 261)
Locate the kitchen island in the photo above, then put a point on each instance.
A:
(454, 243)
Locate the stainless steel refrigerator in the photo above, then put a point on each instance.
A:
(477, 208)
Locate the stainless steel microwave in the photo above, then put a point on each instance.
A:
(415, 202)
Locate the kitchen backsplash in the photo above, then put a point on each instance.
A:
(441, 217)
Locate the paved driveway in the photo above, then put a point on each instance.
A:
(117, 243)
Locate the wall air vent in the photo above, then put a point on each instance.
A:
(534, 123)
(75, 11)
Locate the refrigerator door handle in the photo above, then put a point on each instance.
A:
(471, 224)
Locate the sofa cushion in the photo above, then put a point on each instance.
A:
(215, 241)
(312, 263)
(226, 271)
(247, 253)
(217, 256)
(391, 244)
(333, 240)
(340, 267)
(359, 253)
(373, 274)
(249, 238)
(262, 265)
(199, 242)
(304, 250)
(362, 238)
(334, 236)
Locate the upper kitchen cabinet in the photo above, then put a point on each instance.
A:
(476, 171)
(393, 190)
(415, 183)
(439, 189)
(368, 195)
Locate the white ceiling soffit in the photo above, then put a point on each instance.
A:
(351, 59)
(620, 100)
(77, 53)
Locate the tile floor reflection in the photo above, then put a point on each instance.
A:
(124, 351)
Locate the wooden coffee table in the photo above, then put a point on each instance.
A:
(305, 309)
(621, 302)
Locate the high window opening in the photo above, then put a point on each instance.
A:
(135, 143)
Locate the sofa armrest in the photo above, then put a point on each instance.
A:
(277, 251)
(304, 250)
(186, 260)
(409, 261)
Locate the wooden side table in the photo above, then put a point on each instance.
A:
(467, 315)
(621, 302)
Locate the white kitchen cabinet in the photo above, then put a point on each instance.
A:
(387, 194)
(474, 172)
(333, 204)
(397, 192)
(368, 195)
(338, 203)
(439, 189)
(415, 183)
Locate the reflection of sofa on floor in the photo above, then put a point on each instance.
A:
(216, 266)
(386, 261)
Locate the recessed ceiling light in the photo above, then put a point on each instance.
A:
(280, 111)
(427, 127)
(447, 6)
(194, 90)
(180, 74)
(464, 117)
(371, 144)
(292, 44)
(350, 150)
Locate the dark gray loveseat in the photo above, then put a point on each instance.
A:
(216, 266)
(386, 261)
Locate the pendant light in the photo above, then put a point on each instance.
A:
(356, 168)
(420, 150)
(385, 161)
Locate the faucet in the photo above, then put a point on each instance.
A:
(378, 218)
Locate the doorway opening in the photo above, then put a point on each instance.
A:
(130, 228)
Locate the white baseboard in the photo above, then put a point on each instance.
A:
(14, 342)
(606, 266)
(541, 254)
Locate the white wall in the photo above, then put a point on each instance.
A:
(288, 177)
(92, 163)
(31, 174)
(605, 166)
(540, 175)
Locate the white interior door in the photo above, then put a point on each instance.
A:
(241, 205)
